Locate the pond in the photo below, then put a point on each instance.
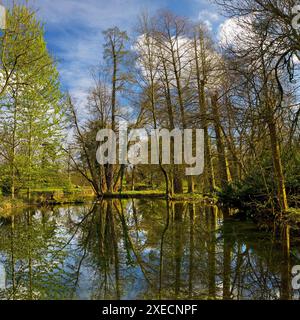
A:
(141, 249)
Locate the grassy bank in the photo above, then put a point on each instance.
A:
(152, 194)
(7, 206)
(43, 197)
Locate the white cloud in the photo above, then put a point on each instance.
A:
(228, 32)
(208, 15)
(296, 60)
(235, 32)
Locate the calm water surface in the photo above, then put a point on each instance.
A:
(140, 249)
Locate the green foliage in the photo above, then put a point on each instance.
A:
(291, 159)
(258, 188)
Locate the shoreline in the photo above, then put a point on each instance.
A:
(47, 198)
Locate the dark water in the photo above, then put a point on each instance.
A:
(139, 249)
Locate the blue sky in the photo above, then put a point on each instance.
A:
(74, 30)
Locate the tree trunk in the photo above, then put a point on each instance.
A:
(222, 158)
(176, 177)
(132, 178)
(208, 170)
(191, 184)
(282, 198)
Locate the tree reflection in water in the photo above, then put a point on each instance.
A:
(138, 249)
